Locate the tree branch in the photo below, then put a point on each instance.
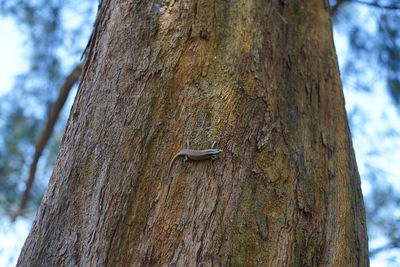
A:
(375, 4)
(47, 131)
(338, 4)
(391, 245)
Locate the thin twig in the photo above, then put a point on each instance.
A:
(335, 7)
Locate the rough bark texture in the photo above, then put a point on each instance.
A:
(52, 118)
(258, 77)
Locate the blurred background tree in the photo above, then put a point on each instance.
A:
(371, 65)
(57, 32)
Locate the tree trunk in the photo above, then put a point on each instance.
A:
(259, 78)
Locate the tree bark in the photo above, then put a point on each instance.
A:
(259, 78)
(52, 119)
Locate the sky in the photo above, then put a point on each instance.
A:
(366, 136)
(371, 122)
(12, 54)
(374, 116)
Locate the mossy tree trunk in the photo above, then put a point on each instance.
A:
(259, 78)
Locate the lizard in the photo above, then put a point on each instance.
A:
(194, 155)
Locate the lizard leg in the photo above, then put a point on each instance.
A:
(213, 144)
(187, 143)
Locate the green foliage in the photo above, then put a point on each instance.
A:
(17, 135)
